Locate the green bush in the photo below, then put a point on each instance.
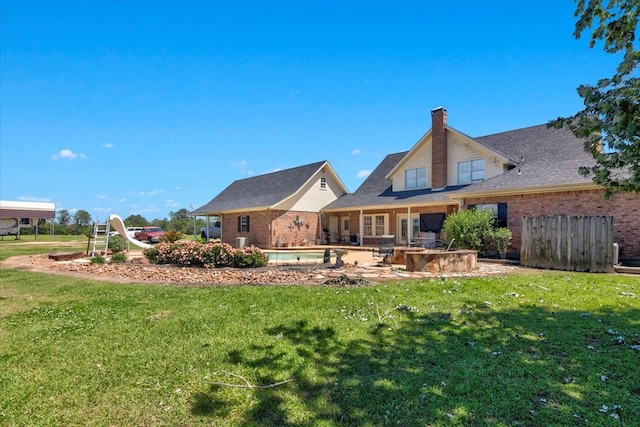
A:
(501, 239)
(172, 236)
(117, 243)
(118, 258)
(249, 257)
(470, 228)
(152, 254)
(98, 259)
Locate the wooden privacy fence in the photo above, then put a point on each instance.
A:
(575, 243)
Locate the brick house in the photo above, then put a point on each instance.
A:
(276, 209)
(525, 172)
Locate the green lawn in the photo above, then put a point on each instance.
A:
(540, 349)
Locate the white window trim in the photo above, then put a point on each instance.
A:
(470, 161)
(373, 224)
(410, 220)
(342, 223)
(426, 179)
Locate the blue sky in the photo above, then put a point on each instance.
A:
(148, 107)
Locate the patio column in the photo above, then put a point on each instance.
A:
(361, 221)
(409, 226)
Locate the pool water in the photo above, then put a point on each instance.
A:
(295, 256)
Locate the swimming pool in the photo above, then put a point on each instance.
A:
(291, 256)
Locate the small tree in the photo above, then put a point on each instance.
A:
(501, 239)
(469, 228)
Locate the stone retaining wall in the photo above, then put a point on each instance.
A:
(442, 262)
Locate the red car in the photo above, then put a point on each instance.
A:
(150, 234)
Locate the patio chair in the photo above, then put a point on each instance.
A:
(280, 242)
(386, 248)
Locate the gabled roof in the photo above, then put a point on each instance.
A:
(426, 136)
(376, 191)
(264, 191)
(546, 159)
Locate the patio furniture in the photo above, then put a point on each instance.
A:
(386, 248)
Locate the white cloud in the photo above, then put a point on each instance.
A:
(102, 196)
(363, 173)
(108, 145)
(149, 193)
(67, 154)
(121, 200)
(356, 152)
(171, 203)
(240, 164)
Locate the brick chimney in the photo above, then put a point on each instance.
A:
(438, 148)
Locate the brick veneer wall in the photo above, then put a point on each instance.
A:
(284, 224)
(258, 234)
(624, 207)
(265, 227)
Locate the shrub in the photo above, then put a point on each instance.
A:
(206, 255)
(172, 236)
(469, 228)
(250, 256)
(501, 239)
(98, 259)
(117, 243)
(152, 254)
(118, 257)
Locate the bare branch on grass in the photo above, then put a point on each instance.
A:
(246, 384)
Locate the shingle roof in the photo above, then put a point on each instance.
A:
(376, 190)
(260, 191)
(550, 157)
(536, 143)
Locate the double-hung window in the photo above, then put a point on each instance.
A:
(375, 225)
(471, 171)
(415, 178)
(243, 224)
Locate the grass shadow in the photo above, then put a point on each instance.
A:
(479, 366)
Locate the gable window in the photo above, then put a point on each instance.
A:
(470, 171)
(375, 225)
(415, 178)
(243, 224)
(323, 183)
